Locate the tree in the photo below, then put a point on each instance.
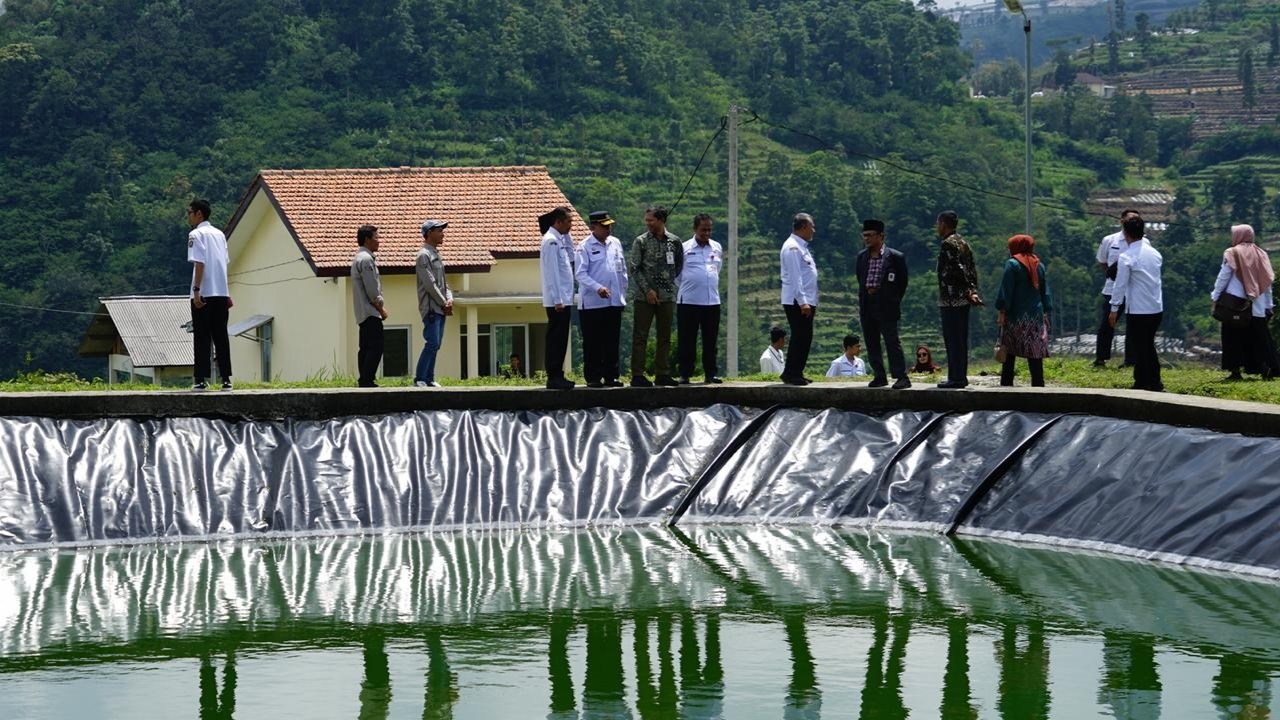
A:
(1142, 29)
(1274, 54)
(1120, 20)
(1244, 71)
(1113, 53)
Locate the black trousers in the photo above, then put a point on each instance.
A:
(876, 329)
(692, 319)
(1036, 365)
(801, 339)
(209, 327)
(1107, 334)
(601, 330)
(955, 336)
(1141, 331)
(370, 354)
(557, 341)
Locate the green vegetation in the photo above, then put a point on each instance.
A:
(117, 113)
(1184, 379)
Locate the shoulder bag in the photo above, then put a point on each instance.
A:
(1232, 310)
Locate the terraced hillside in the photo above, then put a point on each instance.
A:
(1214, 98)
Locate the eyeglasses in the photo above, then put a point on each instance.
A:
(922, 354)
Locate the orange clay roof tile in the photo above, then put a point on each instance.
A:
(492, 212)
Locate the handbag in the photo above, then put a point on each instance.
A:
(1232, 310)
(1001, 351)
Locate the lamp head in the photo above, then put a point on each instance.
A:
(1013, 5)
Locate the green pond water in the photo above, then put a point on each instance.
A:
(709, 622)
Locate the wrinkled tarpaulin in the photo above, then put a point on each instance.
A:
(1154, 491)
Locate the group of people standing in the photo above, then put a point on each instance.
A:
(673, 282)
(882, 282)
(667, 280)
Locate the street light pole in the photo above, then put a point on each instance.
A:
(1016, 6)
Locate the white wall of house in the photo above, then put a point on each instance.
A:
(314, 330)
(310, 312)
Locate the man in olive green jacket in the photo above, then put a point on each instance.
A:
(653, 264)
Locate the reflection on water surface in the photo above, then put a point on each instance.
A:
(713, 622)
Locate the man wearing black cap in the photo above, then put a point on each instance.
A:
(435, 300)
(882, 281)
(557, 291)
(602, 291)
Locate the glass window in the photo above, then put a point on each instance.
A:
(395, 354)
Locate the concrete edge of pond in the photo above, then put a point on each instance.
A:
(1233, 416)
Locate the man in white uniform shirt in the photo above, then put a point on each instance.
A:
(210, 295)
(698, 301)
(602, 293)
(772, 360)
(557, 292)
(1108, 254)
(848, 364)
(1138, 290)
(799, 296)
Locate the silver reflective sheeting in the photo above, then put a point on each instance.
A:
(1155, 491)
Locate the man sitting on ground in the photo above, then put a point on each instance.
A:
(848, 364)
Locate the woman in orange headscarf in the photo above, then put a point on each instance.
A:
(1247, 274)
(1024, 303)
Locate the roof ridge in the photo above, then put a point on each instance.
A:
(408, 169)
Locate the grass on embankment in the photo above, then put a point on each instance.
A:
(1075, 372)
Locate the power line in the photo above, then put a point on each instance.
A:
(724, 123)
(52, 310)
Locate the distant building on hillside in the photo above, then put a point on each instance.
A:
(292, 238)
(1095, 84)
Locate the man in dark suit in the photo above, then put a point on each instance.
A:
(882, 281)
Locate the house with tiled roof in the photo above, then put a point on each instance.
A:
(293, 236)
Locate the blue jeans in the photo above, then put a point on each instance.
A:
(432, 334)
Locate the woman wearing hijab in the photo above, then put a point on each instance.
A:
(924, 361)
(1247, 273)
(1024, 303)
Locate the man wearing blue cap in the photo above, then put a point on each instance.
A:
(435, 300)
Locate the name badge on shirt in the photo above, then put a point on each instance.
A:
(671, 258)
(891, 277)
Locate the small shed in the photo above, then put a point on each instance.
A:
(144, 338)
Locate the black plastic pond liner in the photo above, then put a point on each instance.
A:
(1153, 491)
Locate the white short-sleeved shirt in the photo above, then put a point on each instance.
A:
(206, 244)
(1108, 252)
(842, 366)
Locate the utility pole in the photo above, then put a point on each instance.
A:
(732, 344)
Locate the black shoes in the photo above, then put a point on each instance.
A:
(640, 381)
(560, 383)
(595, 384)
(952, 385)
(613, 382)
(665, 381)
(902, 384)
(684, 379)
(878, 382)
(713, 380)
(798, 381)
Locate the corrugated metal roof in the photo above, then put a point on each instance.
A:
(153, 328)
